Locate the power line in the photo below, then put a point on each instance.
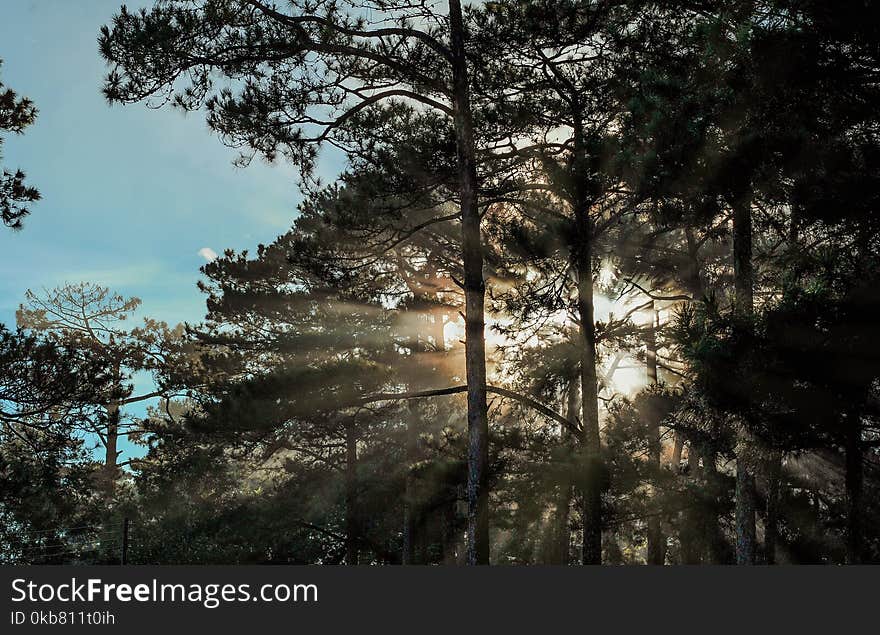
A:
(72, 539)
(59, 529)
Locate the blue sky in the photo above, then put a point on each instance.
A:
(130, 194)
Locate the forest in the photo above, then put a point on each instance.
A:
(598, 283)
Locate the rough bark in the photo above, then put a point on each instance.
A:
(744, 303)
(474, 292)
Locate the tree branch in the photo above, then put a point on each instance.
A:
(653, 296)
(452, 390)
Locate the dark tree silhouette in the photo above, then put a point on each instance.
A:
(16, 114)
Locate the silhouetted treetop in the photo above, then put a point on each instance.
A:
(16, 114)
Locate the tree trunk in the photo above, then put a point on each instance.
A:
(563, 502)
(352, 537)
(409, 495)
(582, 263)
(771, 524)
(656, 539)
(854, 454)
(677, 448)
(651, 349)
(439, 332)
(743, 274)
(744, 305)
(691, 535)
(745, 515)
(449, 533)
(111, 451)
(474, 292)
(111, 439)
(713, 539)
(774, 462)
(563, 532)
(854, 479)
(423, 538)
(592, 551)
(692, 273)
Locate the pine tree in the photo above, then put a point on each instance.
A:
(16, 114)
(298, 105)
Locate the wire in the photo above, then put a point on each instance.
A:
(60, 529)
(51, 554)
(83, 546)
(88, 540)
(72, 539)
(78, 550)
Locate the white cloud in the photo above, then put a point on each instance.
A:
(208, 254)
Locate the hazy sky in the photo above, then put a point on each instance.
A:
(133, 198)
